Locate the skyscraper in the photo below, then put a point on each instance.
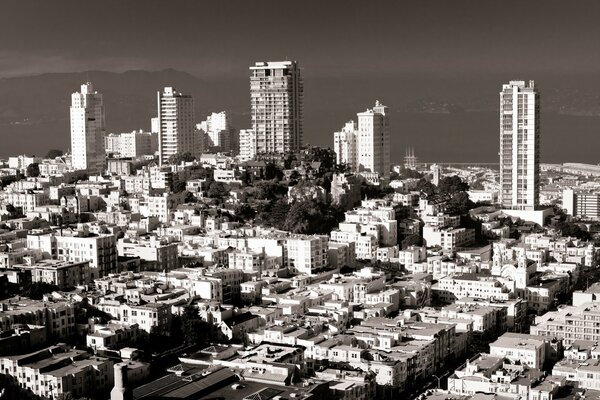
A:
(176, 124)
(276, 93)
(519, 146)
(87, 130)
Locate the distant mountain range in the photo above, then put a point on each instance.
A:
(444, 118)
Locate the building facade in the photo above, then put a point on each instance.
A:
(177, 133)
(519, 146)
(365, 147)
(87, 129)
(276, 94)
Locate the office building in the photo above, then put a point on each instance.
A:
(87, 130)
(276, 93)
(519, 146)
(176, 130)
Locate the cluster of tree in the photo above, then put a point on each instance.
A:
(306, 217)
(406, 173)
(8, 179)
(84, 311)
(374, 191)
(193, 328)
(454, 188)
(33, 170)
(571, 229)
(180, 178)
(178, 158)
(53, 153)
(37, 290)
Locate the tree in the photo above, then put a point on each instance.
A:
(217, 190)
(573, 230)
(459, 204)
(452, 184)
(33, 170)
(194, 329)
(37, 290)
(426, 187)
(312, 217)
(53, 153)
(178, 158)
(272, 171)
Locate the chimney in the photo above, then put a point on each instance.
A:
(120, 391)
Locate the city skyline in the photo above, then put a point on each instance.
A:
(320, 200)
(410, 55)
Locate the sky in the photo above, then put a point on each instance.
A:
(220, 38)
(340, 45)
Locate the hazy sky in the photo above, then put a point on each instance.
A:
(220, 38)
(350, 52)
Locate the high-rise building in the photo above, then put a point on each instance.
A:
(87, 130)
(344, 145)
(276, 94)
(365, 147)
(218, 134)
(519, 146)
(177, 132)
(247, 144)
(374, 140)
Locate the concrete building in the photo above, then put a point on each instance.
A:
(247, 139)
(58, 370)
(519, 146)
(99, 249)
(276, 94)
(177, 132)
(365, 147)
(156, 254)
(305, 254)
(581, 204)
(131, 144)
(64, 274)
(219, 136)
(87, 130)
(373, 145)
(344, 145)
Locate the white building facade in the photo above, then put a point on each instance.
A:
(519, 146)
(87, 129)
(276, 94)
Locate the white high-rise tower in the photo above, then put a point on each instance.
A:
(176, 126)
(87, 130)
(276, 93)
(374, 140)
(365, 147)
(519, 146)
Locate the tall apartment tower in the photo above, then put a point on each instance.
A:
(87, 130)
(365, 147)
(176, 126)
(276, 94)
(519, 146)
(219, 135)
(344, 146)
(373, 148)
